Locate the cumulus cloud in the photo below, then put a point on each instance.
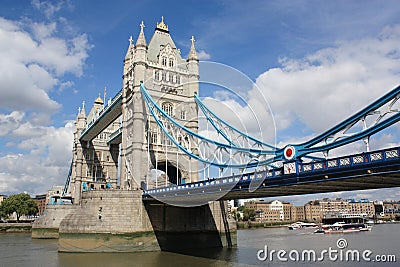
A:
(33, 63)
(38, 59)
(10, 122)
(331, 84)
(311, 94)
(203, 55)
(45, 163)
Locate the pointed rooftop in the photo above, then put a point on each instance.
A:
(81, 111)
(131, 48)
(162, 26)
(141, 41)
(160, 39)
(192, 53)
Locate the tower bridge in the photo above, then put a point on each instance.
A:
(134, 179)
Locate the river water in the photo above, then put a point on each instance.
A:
(18, 249)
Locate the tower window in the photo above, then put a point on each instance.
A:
(164, 61)
(164, 76)
(183, 115)
(153, 137)
(157, 75)
(167, 107)
(178, 79)
(171, 62)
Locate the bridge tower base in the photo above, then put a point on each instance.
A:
(47, 225)
(119, 221)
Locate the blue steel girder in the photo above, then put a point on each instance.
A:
(67, 182)
(382, 109)
(103, 119)
(337, 136)
(376, 169)
(223, 155)
(226, 129)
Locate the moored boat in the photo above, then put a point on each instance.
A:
(302, 225)
(342, 228)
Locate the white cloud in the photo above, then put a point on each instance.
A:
(44, 165)
(203, 55)
(314, 93)
(33, 64)
(49, 8)
(10, 122)
(326, 87)
(36, 59)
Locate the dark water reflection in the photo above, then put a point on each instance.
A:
(21, 250)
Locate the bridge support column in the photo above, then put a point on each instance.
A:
(119, 221)
(180, 229)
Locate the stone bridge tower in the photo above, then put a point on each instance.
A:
(171, 81)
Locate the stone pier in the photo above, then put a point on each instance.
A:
(118, 221)
(47, 225)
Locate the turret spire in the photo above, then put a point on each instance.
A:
(81, 111)
(192, 53)
(141, 41)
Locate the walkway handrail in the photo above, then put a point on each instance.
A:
(109, 106)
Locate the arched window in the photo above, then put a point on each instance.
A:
(164, 61)
(171, 62)
(157, 75)
(168, 108)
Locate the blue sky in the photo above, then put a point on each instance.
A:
(317, 62)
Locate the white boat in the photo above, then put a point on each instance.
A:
(342, 228)
(302, 225)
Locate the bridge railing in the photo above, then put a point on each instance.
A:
(109, 106)
(296, 168)
(114, 134)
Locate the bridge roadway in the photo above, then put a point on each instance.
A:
(104, 118)
(372, 170)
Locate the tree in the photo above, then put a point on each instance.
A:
(249, 214)
(21, 204)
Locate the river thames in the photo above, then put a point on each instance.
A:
(18, 249)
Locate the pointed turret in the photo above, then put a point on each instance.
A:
(141, 41)
(81, 111)
(131, 50)
(80, 122)
(193, 67)
(192, 53)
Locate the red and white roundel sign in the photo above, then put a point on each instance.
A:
(289, 152)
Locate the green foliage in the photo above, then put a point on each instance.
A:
(241, 208)
(21, 204)
(249, 214)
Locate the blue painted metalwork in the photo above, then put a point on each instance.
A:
(389, 98)
(68, 180)
(151, 104)
(298, 151)
(206, 111)
(351, 166)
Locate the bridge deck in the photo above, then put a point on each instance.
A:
(378, 169)
(106, 116)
